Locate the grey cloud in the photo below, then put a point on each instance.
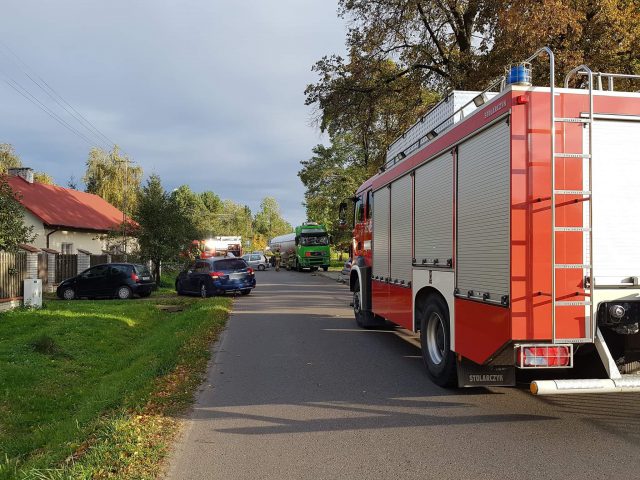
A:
(207, 93)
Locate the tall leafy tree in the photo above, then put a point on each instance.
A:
(42, 177)
(13, 231)
(113, 176)
(8, 158)
(269, 221)
(331, 176)
(403, 53)
(192, 206)
(164, 231)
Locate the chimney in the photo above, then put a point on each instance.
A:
(23, 172)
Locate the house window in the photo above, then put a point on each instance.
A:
(66, 248)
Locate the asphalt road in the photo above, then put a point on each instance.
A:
(297, 391)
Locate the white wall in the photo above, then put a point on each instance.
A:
(81, 240)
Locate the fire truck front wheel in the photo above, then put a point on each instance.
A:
(434, 339)
(364, 318)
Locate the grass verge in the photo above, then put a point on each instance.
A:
(91, 389)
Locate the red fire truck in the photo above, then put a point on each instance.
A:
(504, 228)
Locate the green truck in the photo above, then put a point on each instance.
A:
(308, 247)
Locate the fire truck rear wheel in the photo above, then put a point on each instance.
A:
(436, 346)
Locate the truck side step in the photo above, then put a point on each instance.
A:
(627, 383)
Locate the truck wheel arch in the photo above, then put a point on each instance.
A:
(422, 297)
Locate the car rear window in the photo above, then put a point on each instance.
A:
(143, 270)
(230, 264)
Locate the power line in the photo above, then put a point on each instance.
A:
(27, 95)
(59, 100)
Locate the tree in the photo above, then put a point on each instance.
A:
(8, 158)
(42, 177)
(13, 231)
(268, 221)
(72, 183)
(330, 177)
(193, 207)
(111, 176)
(235, 219)
(401, 52)
(164, 231)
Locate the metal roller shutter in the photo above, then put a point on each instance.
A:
(401, 203)
(616, 169)
(434, 211)
(381, 233)
(482, 262)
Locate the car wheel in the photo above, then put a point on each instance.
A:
(68, 293)
(245, 292)
(204, 291)
(124, 293)
(314, 269)
(261, 268)
(435, 342)
(179, 290)
(325, 269)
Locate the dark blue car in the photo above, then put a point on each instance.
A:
(214, 276)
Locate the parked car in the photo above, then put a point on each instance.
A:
(257, 261)
(346, 269)
(111, 280)
(216, 275)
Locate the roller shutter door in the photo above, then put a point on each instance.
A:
(616, 175)
(401, 203)
(434, 211)
(482, 263)
(381, 233)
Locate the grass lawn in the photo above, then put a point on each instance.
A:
(90, 389)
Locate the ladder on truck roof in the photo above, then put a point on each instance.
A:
(587, 230)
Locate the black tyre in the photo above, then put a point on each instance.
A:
(364, 318)
(325, 269)
(436, 344)
(179, 290)
(124, 293)
(68, 294)
(314, 269)
(245, 292)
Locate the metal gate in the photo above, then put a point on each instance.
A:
(66, 267)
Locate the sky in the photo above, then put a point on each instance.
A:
(204, 93)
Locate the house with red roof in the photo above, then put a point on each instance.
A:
(64, 219)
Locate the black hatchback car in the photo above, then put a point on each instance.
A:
(113, 280)
(216, 275)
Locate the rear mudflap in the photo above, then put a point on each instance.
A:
(470, 374)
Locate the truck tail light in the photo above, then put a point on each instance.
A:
(307, 254)
(216, 275)
(545, 356)
(135, 277)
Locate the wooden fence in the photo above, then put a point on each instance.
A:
(43, 268)
(13, 271)
(66, 267)
(98, 260)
